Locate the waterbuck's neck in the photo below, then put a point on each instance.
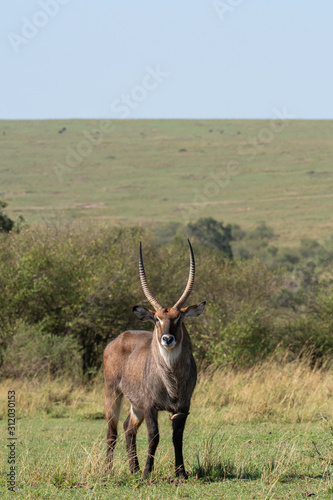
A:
(169, 371)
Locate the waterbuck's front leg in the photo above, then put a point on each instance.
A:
(153, 439)
(178, 425)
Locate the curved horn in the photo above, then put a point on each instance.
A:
(190, 281)
(144, 283)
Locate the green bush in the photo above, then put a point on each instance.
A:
(76, 282)
(31, 352)
(236, 328)
(310, 331)
(261, 232)
(252, 243)
(81, 284)
(6, 224)
(67, 291)
(246, 339)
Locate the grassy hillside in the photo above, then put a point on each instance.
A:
(147, 171)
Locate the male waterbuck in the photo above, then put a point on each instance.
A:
(155, 371)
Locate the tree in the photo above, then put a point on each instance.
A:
(6, 224)
(212, 234)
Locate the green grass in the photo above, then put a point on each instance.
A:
(137, 172)
(64, 458)
(260, 433)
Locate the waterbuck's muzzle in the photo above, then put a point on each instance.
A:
(168, 341)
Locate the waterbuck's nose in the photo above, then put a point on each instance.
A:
(167, 339)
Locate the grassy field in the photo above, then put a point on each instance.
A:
(151, 171)
(261, 433)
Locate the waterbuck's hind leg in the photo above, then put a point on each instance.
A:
(113, 400)
(153, 439)
(131, 426)
(178, 425)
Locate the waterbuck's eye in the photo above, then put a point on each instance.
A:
(177, 319)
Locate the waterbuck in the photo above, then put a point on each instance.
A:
(155, 371)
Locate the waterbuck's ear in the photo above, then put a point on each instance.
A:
(193, 311)
(143, 314)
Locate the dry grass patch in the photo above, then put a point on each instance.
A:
(54, 398)
(271, 391)
(287, 392)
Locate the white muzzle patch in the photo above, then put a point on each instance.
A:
(168, 342)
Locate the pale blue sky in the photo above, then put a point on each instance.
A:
(150, 59)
